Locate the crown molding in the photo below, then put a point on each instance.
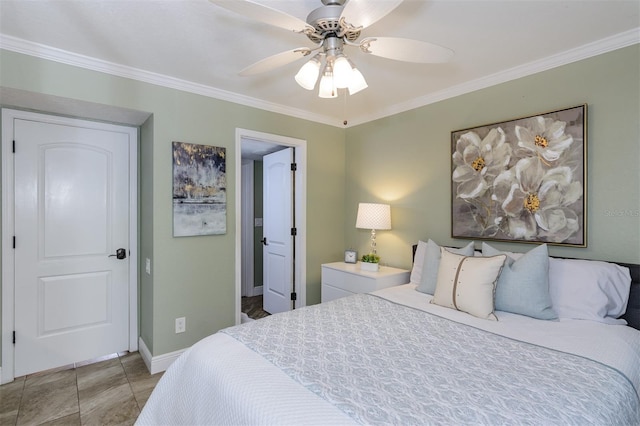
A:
(42, 51)
(586, 51)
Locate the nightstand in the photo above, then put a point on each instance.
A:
(341, 279)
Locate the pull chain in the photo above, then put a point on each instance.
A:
(344, 107)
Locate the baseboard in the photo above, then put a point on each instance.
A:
(156, 364)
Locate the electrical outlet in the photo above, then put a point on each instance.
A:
(181, 325)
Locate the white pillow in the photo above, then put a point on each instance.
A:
(467, 283)
(418, 263)
(589, 289)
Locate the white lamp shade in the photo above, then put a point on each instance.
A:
(342, 72)
(327, 88)
(374, 216)
(308, 74)
(357, 83)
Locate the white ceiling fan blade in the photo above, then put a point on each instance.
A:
(404, 49)
(275, 61)
(264, 14)
(365, 12)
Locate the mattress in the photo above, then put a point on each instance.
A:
(391, 357)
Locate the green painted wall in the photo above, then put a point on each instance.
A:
(194, 276)
(405, 159)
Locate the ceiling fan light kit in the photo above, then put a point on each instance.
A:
(336, 24)
(357, 83)
(308, 74)
(342, 71)
(327, 87)
(338, 71)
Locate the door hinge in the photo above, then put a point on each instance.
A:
(294, 296)
(14, 241)
(14, 337)
(294, 167)
(13, 149)
(294, 231)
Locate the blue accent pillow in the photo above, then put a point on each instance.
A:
(523, 285)
(432, 262)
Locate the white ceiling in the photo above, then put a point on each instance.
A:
(197, 46)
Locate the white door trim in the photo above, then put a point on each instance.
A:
(8, 226)
(246, 192)
(301, 210)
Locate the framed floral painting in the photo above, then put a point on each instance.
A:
(522, 180)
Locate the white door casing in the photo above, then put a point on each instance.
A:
(300, 210)
(74, 203)
(277, 224)
(246, 192)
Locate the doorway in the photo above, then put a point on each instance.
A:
(69, 249)
(252, 146)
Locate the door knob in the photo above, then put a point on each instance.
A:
(264, 241)
(120, 254)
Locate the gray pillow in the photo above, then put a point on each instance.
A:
(432, 262)
(523, 285)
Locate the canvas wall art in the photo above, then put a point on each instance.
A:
(199, 190)
(522, 180)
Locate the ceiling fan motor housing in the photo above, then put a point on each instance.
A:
(334, 2)
(326, 20)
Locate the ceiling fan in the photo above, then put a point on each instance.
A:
(332, 27)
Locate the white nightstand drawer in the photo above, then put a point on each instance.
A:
(341, 279)
(332, 293)
(346, 281)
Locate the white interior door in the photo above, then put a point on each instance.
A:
(71, 215)
(277, 223)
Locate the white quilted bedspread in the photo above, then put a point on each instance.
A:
(372, 360)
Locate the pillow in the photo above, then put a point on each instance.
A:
(467, 283)
(523, 285)
(589, 289)
(418, 263)
(431, 262)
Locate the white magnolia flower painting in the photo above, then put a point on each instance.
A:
(521, 180)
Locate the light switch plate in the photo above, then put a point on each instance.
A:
(181, 325)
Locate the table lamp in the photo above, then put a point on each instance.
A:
(373, 216)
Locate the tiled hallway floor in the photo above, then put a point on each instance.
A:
(108, 392)
(252, 306)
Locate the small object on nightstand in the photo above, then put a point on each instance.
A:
(350, 256)
(370, 267)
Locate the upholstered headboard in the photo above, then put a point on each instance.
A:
(633, 307)
(632, 315)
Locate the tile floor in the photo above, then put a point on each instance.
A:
(108, 391)
(252, 306)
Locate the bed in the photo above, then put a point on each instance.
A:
(396, 357)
